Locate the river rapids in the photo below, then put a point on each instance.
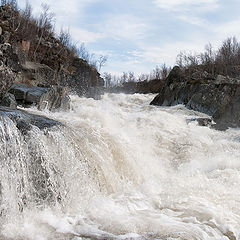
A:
(119, 168)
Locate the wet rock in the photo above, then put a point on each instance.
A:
(9, 101)
(25, 121)
(202, 121)
(65, 103)
(41, 184)
(51, 98)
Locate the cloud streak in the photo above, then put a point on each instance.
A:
(186, 5)
(123, 27)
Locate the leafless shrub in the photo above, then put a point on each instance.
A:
(101, 61)
(65, 37)
(45, 25)
(143, 77)
(221, 61)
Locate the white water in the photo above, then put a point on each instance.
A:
(120, 169)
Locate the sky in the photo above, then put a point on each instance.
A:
(138, 35)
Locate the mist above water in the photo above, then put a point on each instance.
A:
(120, 169)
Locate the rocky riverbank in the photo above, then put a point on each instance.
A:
(39, 69)
(217, 96)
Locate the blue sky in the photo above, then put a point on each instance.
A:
(137, 35)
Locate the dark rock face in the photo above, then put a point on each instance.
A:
(218, 97)
(25, 121)
(36, 73)
(82, 79)
(51, 98)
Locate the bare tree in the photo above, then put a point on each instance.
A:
(65, 37)
(157, 72)
(3, 2)
(164, 71)
(131, 77)
(13, 4)
(143, 77)
(124, 77)
(101, 62)
(45, 25)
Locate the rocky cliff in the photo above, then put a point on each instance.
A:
(217, 96)
(36, 58)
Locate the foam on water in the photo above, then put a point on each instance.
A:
(120, 169)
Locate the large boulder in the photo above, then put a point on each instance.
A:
(25, 121)
(218, 97)
(51, 98)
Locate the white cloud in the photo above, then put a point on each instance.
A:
(193, 20)
(166, 53)
(83, 35)
(123, 26)
(183, 5)
(228, 29)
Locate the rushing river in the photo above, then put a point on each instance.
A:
(120, 169)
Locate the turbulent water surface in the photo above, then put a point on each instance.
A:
(119, 169)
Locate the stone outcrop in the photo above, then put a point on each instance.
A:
(218, 96)
(26, 121)
(26, 57)
(51, 98)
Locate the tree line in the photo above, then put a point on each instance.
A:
(225, 60)
(159, 72)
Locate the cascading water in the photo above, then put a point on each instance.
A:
(119, 169)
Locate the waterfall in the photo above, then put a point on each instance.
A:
(118, 168)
